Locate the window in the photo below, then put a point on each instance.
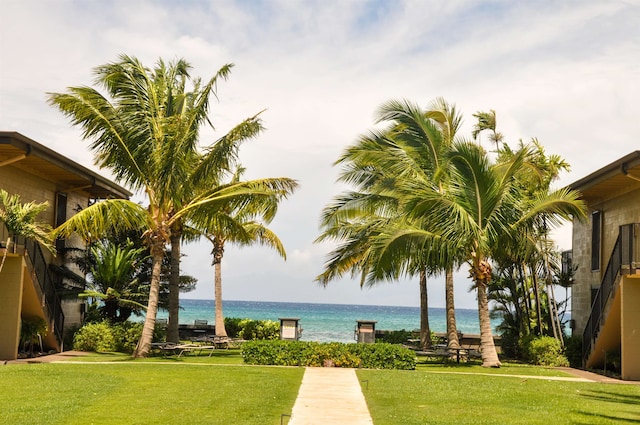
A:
(596, 237)
(61, 216)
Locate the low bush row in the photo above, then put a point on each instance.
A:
(105, 336)
(303, 353)
(251, 329)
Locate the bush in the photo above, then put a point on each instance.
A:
(104, 336)
(232, 326)
(573, 350)
(301, 353)
(250, 329)
(395, 337)
(126, 336)
(95, 337)
(544, 351)
(259, 329)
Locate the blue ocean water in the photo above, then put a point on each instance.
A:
(328, 322)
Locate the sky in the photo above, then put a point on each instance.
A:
(564, 72)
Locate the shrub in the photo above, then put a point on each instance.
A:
(126, 336)
(573, 350)
(259, 329)
(545, 351)
(395, 337)
(105, 336)
(302, 353)
(95, 337)
(232, 326)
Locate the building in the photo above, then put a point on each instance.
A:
(606, 258)
(32, 280)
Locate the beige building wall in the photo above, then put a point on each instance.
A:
(33, 188)
(30, 188)
(630, 328)
(10, 306)
(618, 209)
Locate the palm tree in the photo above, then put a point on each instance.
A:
(147, 135)
(240, 227)
(480, 210)
(358, 218)
(225, 154)
(21, 220)
(112, 279)
(487, 121)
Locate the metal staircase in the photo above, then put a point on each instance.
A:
(620, 263)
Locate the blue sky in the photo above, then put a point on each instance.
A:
(566, 72)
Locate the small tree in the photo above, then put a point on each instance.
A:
(113, 280)
(20, 220)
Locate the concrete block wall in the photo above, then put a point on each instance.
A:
(32, 187)
(616, 211)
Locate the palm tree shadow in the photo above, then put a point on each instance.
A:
(630, 416)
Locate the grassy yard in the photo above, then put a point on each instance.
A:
(424, 397)
(113, 389)
(146, 393)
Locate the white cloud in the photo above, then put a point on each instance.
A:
(566, 73)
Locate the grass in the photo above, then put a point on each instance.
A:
(421, 397)
(111, 388)
(506, 369)
(140, 392)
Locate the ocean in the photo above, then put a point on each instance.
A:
(328, 322)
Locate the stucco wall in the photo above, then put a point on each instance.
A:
(630, 328)
(10, 305)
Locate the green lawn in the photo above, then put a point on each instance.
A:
(146, 393)
(113, 389)
(422, 397)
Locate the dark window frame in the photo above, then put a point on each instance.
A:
(596, 240)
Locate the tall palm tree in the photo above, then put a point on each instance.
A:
(479, 211)
(225, 152)
(244, 226)
(21, 220)
(358, 218)
(146, 132)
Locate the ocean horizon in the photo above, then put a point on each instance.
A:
(327, 322)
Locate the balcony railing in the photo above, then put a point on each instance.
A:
(621, 262)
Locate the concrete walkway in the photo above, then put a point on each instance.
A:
(330, 395)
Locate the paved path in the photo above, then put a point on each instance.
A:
(330, 395)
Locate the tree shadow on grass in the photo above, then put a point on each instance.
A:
(626, 400)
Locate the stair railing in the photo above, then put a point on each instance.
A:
(47, 285)
(621, 262)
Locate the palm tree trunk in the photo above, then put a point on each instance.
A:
(425, 332)
(527, 300)
(174, 288)
(556, 316)
(452, 331)
(481, 272)
(218, 252)
(144, 344)
(536, 294)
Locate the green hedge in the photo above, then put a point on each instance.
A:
(302, 353)
(105, 337)
(251, 329)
